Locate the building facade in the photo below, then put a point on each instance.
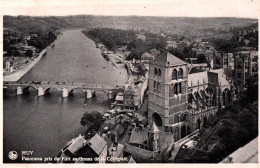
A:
(181, 103)
(245, 65)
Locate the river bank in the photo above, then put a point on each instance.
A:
(14, 77)
(37, 123)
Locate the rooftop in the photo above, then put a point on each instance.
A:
(168, 60)
(154, 128)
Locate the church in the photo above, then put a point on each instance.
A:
(179, 103)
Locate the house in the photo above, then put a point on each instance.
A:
(148, 145)
(141, 36)
(110, 145)
(93, 148)
(171, 44)
(119, 100)
(146, 56)
(154, 52)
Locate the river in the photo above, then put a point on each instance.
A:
(45, 124)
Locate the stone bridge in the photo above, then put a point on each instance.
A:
(66, 89)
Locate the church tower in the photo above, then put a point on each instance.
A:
(153, 135)
(167, 96)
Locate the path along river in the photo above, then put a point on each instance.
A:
(45, 124)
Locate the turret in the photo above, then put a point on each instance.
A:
(153, 135)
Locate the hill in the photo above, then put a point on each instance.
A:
(125, 22)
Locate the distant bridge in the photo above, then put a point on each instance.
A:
(65, 88)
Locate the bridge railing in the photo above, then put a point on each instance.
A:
(79, 85)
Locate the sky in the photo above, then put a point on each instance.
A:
(174, 8)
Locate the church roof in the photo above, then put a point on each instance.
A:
(154, 128)
(168, 60)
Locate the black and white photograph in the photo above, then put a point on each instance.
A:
(123, 82)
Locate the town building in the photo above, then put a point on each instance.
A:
(146, 56)
(92, 147)
(149, 144)
(245, 65)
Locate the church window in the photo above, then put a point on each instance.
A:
(159, 72)
(157, 119)
(180, 91)
(180, 73)
(158, 87)
(175, 89)
(154, 85)
(174, 74)
(190, 98)
(155, 71)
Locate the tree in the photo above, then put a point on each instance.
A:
(201, 58)
(29, 53)
(177, 53)
(92, 119)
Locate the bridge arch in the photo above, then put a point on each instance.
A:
(46, 90)
(103, 91)
(35, 88)
(82, 90)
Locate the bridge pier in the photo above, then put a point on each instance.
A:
(88, 94)
(110, 95)
(40, 91)
(64, 92)
(19, 90)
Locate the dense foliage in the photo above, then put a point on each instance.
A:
(43, 40)
(237, 40)
(186, 52)
(93, 120)
(111, 37)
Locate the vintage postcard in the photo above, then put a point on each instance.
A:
(123, 82)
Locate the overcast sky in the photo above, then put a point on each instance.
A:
(190, 8)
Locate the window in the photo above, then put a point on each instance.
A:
(176, 89)
(239, 75)
(155, 71)
(174, 74)
(154, 85)
(158, 87)
(180, 73)
(159, 72)
(190, 98)
(180, 88)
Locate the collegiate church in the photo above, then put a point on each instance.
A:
(179, 100)
(179, 103)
